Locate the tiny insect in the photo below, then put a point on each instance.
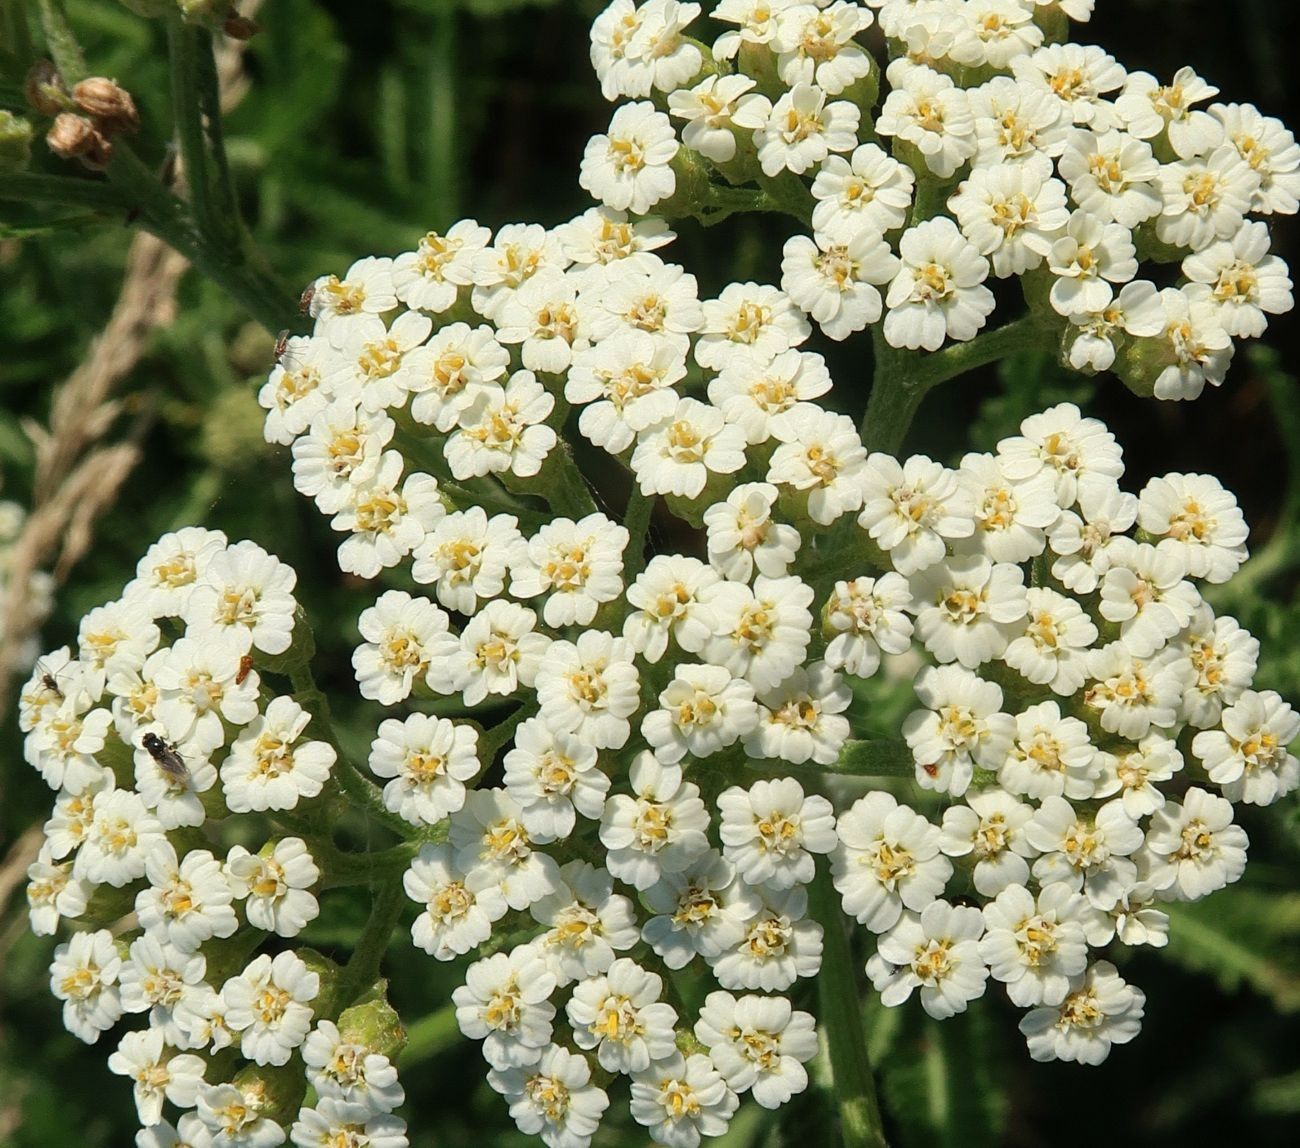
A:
(281, 344)
(48, 681)
(245, 667)
(169, 761)
(304, 303)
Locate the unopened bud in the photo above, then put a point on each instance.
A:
(374, 1025)
(268, 1094)
(109, 104)
(45, 90)
(15, 142)
(210, 14)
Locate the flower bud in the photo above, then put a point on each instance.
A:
(210, 14)
(374, 1024)
(110, 105)
(270, 1094)
(72, 136)
(15, 142)
(45, 90)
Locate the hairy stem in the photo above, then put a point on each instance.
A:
(363, 966)
(62, 44)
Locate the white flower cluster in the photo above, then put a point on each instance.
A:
(148, 743)
(996, 152)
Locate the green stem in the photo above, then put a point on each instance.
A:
(62, 44)
(443, 167)
(62, 191)
(362, 968)
(187, 113)
(838, 997)
(230, 229)
(429, 1036)
(874, 759)
(636, 520)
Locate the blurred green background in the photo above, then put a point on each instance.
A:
(363, 126)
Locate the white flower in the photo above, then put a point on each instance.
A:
(121, 837)
(611, 43)
(757, 22)
(1198, 521)
(1205, 199)
(601, 235)
(377, 363)
(234, 1116)
(169, 570)
(1100, 1010)
(821, 454)
(590, 688)
(1192, 341)
(1145, 593)
(458, 911)
(836, 280)
(428, 760)
(338, 304)
(1015, 123)
(386, 523)
(912, 508)
(800, 130)
(519, 252)
(333, 1121)
(870, 191)
(927, 110)
(1088, 851)
(619, 1015)
(1066, 447)
(63, 746)
(748, 321)
(939, 292)
(466, 557)
(199, 686)
(1246, 282)
(188, 901)
(503, 430)
(83, 975)
(681, 1099)
(1248, 759)
(265, 769)
(551, 775)
(888, 857)
(1011, 518)
(53, 894)
(624, 384)
(1270, 150)
(703, 910)
(959, 729)
(247, 592)
(678, 455)
(1086, 260)
(990, 828)
(864, 618)
(658, 829)
(814, 44)
(491, 843)
(1148, 108)
(578, 565)
(761, 633)
(464, 365)
(995, 32)
(666, 595)
(504, 1002)
(1194, 849)
(351, 1072)
(1133, 773)
(701, 711)
(629, 167)
(1133, 694)
(1051, 755)
(553, 1099)
(277, 884)
(295, 393)
(157, 1077)
(758, 1043)
(113, 638)
(800, 719)
(1085, 541)
(499, 651)
(1112, 176)
(742, 534)
(937, 952)
(587, 922)
(771, 831)
(1035, 947)
(1136, 310)
(403, 635)
(544, 317)
(341, 449)
(660, 55)
(156, 979)
(430, 277)
(779, 946)
(968, 608)
(1080, 75)
(707, 109)
(641, 293)
(1011, 213)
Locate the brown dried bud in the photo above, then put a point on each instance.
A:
(239, 27)
(111, 106)
(74, 137)
(45, 90)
